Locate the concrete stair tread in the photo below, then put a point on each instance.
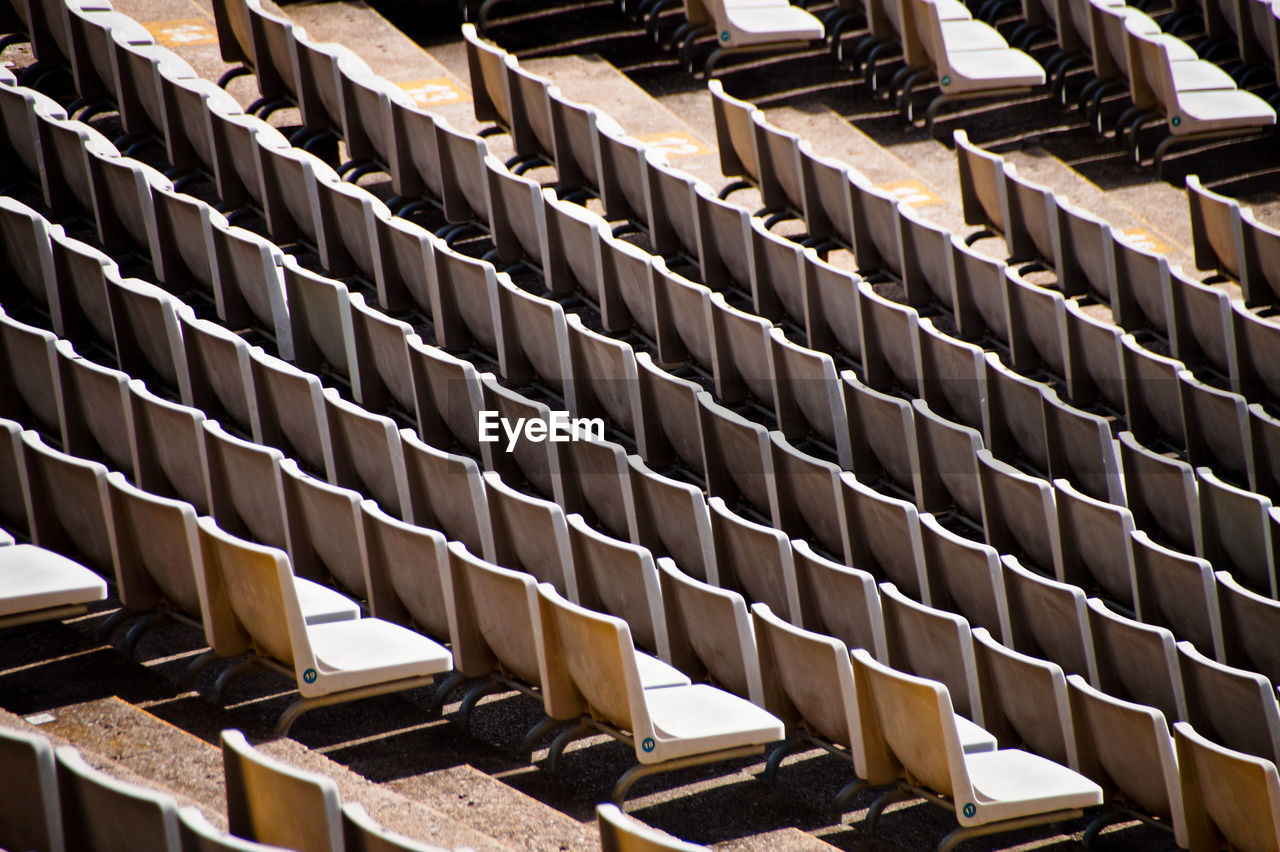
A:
(137, 746)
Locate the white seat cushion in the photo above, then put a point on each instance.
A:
(971, 35)
(1010, 783)
(699, 719)
(1207, 111)
(32, 579)
(989, 69)
(351, 654)
(655, 674)
(974, 738)
(761, 25)
(5, 538)
(1200, 76)
(321, 604)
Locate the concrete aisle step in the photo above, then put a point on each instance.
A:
(163, 756)
(100, 750)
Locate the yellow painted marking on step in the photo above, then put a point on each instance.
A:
(1143, 239)
(434, 92)
(675, 143)
(912, 192)
(182, 32)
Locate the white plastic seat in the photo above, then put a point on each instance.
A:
(669, 728)
(991, 791)
(258, 610)
(39, 585)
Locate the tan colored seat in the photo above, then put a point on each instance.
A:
(252, 605)
(990, 792)
(1127, 748)
(669, 727)
(620, 832)
(269, 801)
(1231, 799)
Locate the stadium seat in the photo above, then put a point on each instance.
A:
(839, 601)
(1177, 591)
(1024, 700)
(1050, 620)
(1127, 749)
(620, 579)
(31, 812)
(1237, 529)
(362, 834)
(671, 727)
(753, 560)
(965, 577)
(672, 520)
(1229, 797)
(1009, 788)
(1136, 662)
(447, 493)
(271, 802)
(620, 831)
(40, 585)
(1231, 706)
(100, 812)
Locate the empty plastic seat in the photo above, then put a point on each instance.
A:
(1236, 526)
(290, 414)
(671, 727)
(147, 333)
(272, 802)
(245, 489)
(530, 535)
(320, 325)
(620, 832)
(156, 549)
(597, 485)
(447, 493)
(1177, 591)
(739, 465)
(31, 396)
(220, 376)
(535, 463)
(809, 501)
(1246, 618)
(1229, 797)
(1231, 706)
(890, 343)
(882, 436)
(362, 834)
(931, 643)
(884, 537)
(1018, 514)
(1258, 341)
(833, 319)
(99, 417)
(250, 292)
(812, 689)
(1161, 494)
(949, 476)
(1024, 700)
(754, 560)
(1050, 620)
(99, 812)
(1095, 543)
(258, 610)
(30, 809)
(1126, 747)
(67, 499)
(967, 73)
(1263, 243)
(672, 520)
(1136, 661)
(620, 579)
(953, 377)
(534, 346)
(1008, 788)
(325, 531)
(1194, 109)
(40, 585)
(965, 577)
(839, 601)
(367, 454)
(517, 222)
(1081, 450)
